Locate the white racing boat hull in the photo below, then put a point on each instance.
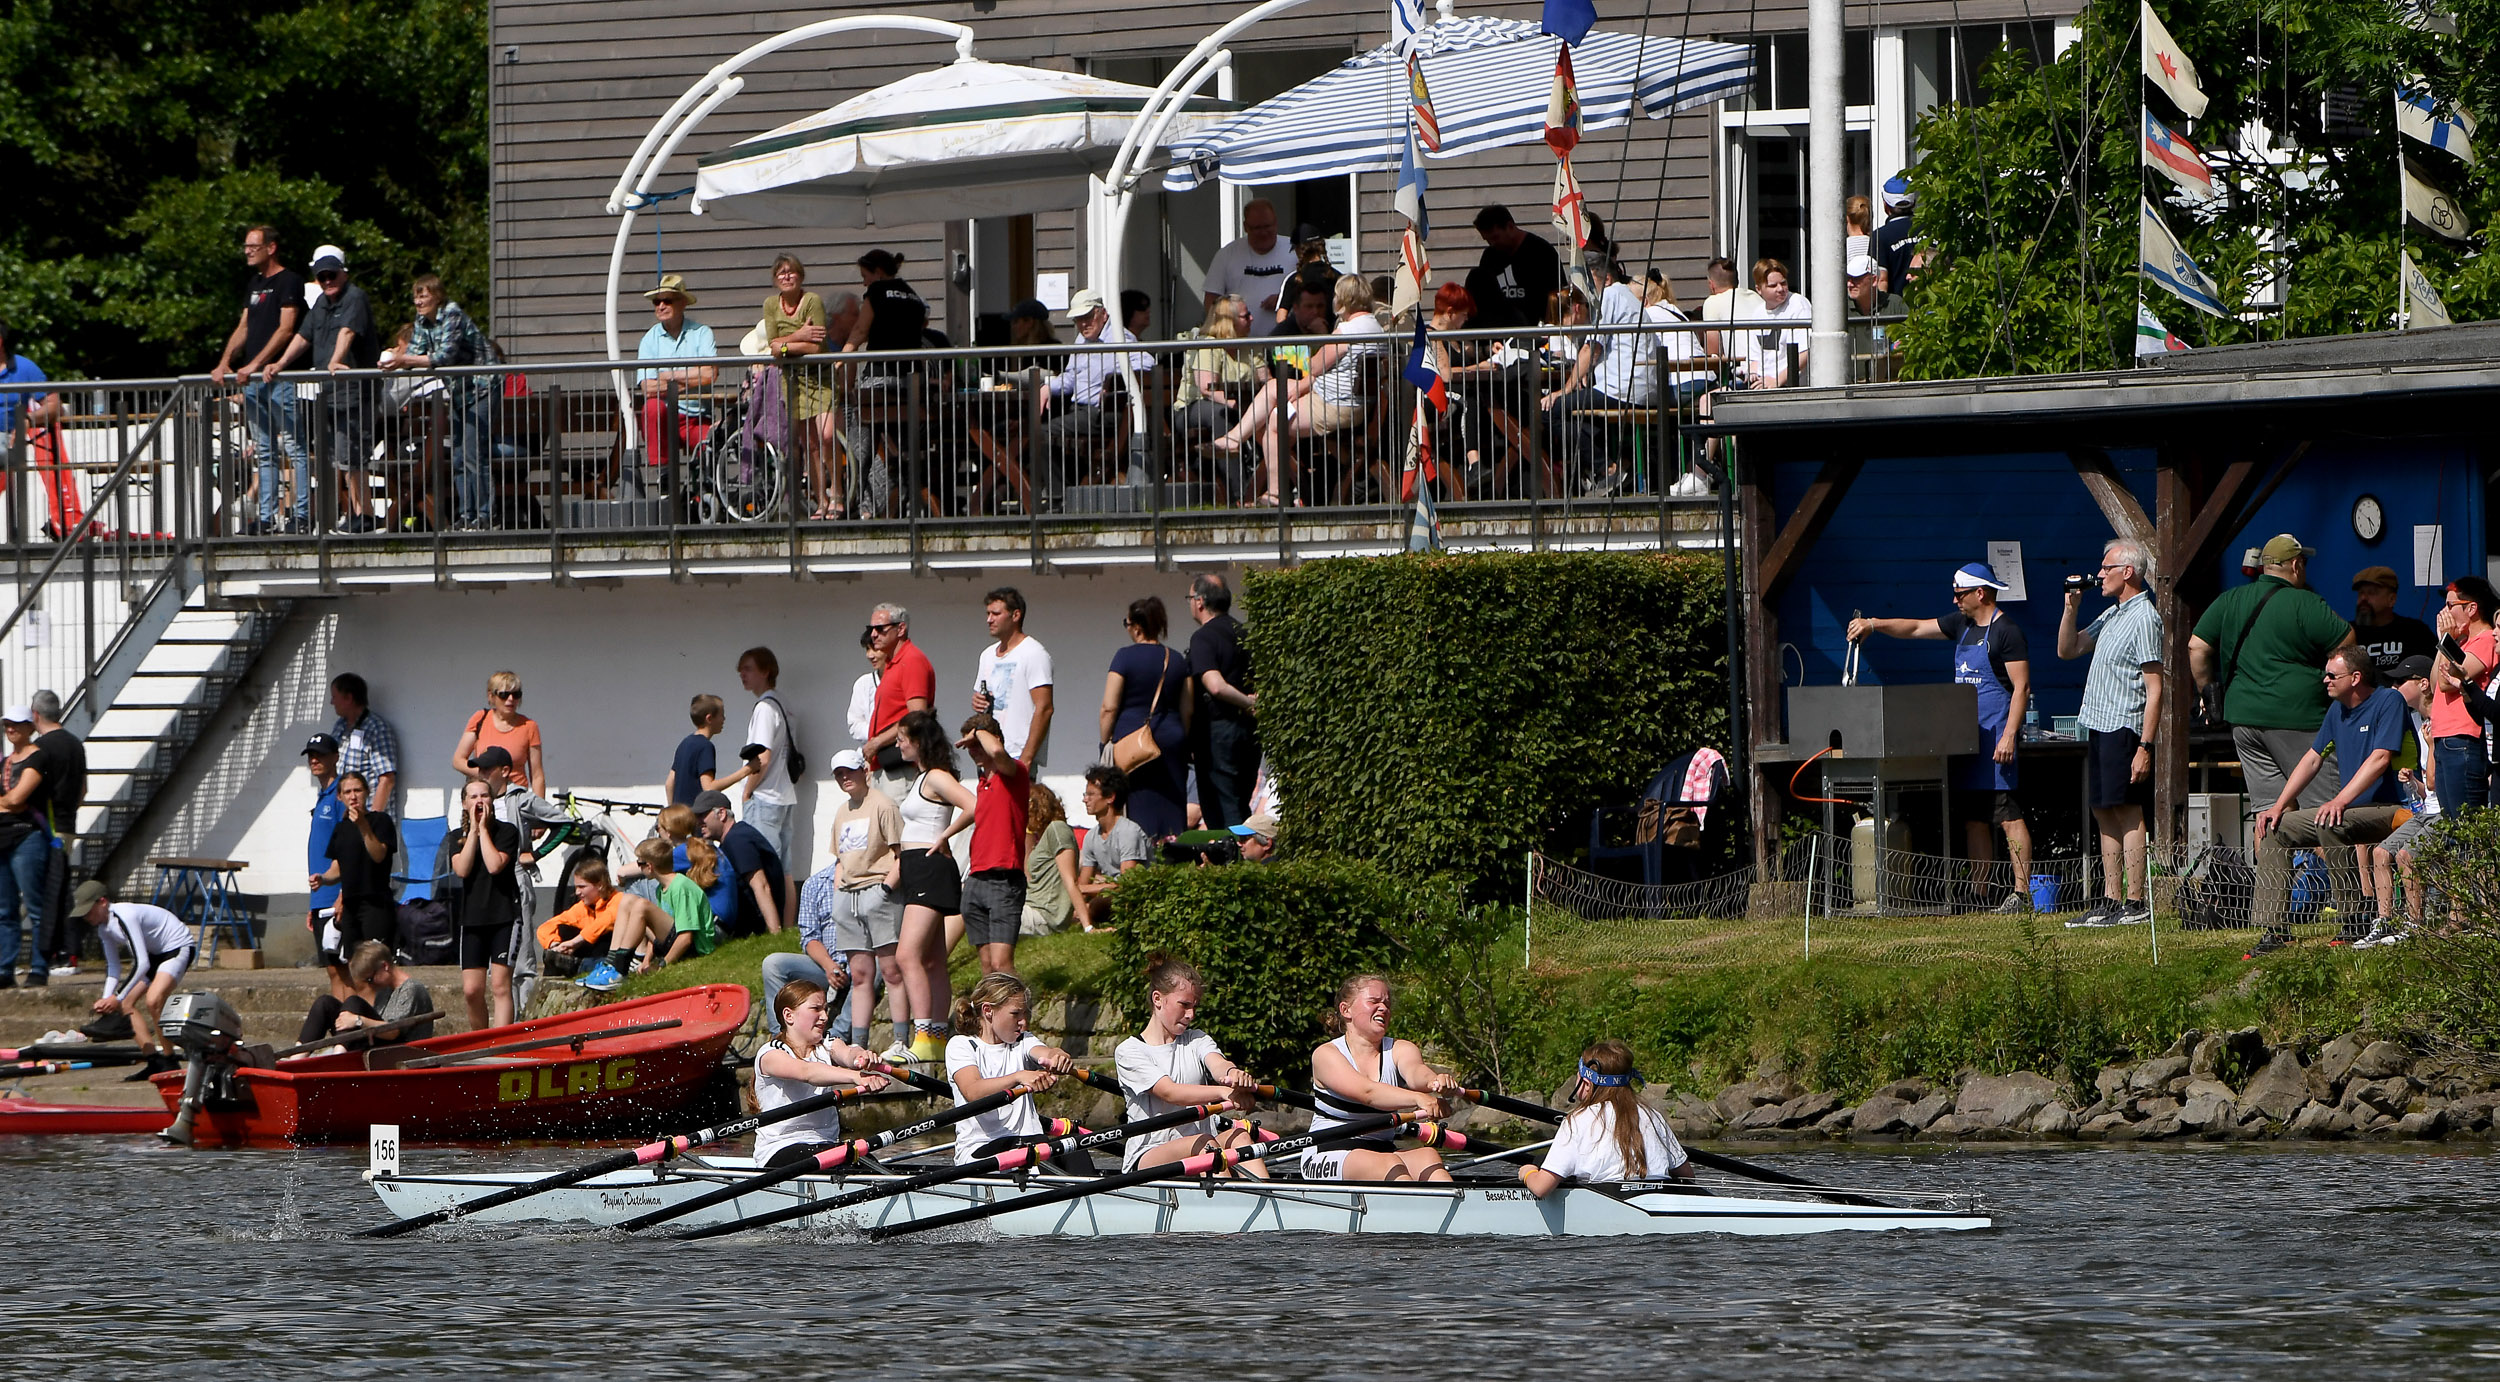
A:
(1232, 1206)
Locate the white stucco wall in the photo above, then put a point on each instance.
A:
(608, 674)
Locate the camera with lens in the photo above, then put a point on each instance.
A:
(2078, 581)
(1186, 851)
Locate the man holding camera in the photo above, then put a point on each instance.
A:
(2121, 709)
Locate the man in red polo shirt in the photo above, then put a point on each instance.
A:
(994, 893)
(909, 684)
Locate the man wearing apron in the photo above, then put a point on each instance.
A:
(1991, 656)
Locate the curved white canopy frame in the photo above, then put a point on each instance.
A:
(633, 186)
(1127, 170)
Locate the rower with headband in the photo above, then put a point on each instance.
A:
(1610, 1134)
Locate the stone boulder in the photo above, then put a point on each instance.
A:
(2279, 1090)
(2473, 1113)
(1907, 1091)
(1928, 1110)
(2208, 1112)
(2111, 1083)
(1694, 1119)
(1837, 1123)
(2103, 1126)
(2335, 1059)
(1885, 1115)
(2056, 1120)
(2002, 1101)
(2391, 1096)
(1737, 1100)
(2380, 1059)
(2155, 1075)
(2198, 1085)
(2319, 1120)
(2429, 1125)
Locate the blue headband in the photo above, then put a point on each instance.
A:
(1603, 1081)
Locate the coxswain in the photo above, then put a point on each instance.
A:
(801, 1064)
(1363, 1072)
(1610, 1135)
(992, 1051)
(1172, 1065)
(147, 950)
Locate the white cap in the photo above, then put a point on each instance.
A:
(1083, 303)
(1861, 265)
(19, 714)
(321, 252)
(850, 759)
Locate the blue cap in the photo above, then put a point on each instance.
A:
(1897, 191)
(1974, 575)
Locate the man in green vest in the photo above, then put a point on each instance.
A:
(2262, 645)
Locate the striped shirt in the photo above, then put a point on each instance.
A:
(2126, 639)
(369, 747)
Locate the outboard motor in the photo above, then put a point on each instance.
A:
(205, 1028)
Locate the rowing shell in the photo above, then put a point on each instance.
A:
(1229, 1206)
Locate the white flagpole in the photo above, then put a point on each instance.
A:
(2404, 301)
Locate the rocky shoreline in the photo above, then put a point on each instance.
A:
(2208, 1087)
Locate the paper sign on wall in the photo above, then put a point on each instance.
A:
(1052, 290)
(2005, 559)
(2430, 556)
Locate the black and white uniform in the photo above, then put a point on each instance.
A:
(1142, 1067)
(1328, 1163)
(147, 941)
(811, 1131)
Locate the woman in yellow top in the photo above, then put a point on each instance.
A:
(794, 324)
(1214, 377)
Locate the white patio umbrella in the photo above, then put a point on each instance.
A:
(1489, 79)
(968, 139)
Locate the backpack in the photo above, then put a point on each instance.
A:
(426, 933)
(790, 731)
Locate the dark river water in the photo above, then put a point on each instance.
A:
(126, 1259)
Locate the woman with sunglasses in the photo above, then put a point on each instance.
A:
(502, 725)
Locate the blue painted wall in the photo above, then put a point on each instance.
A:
(1908, 522)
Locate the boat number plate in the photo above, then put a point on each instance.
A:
(382, 1150)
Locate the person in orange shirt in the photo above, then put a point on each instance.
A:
(583, 929)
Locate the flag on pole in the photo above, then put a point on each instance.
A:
(1570, 20)
(2166, 67)
(2169, 267)
(1562, 108)
(1406, 19)
(2418, 117)
(1411, 185)
(2430, 208)
(2422, 304)
(1416, 486)
(2151, 337)
(1427, 124)
(1414, 268)
(1423, 373)
(2168, 152)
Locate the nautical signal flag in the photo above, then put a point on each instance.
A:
(2169, 267)
(1570, 20)
(1406, 19)
(2168, 152)
(2422, 306)
(2419, 118)
(1411, 184)
(1427, 124)
(1570, 213)
(2168, 68)
(1562, 108)
(1422, 372)
(2151, 337)
(2428, 207)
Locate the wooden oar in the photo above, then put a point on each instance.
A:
(1205, 1163)
(371, 1031)
(644, 1155)
(1014, 1158)
(823, 1161)
(1713, 1160)
(419, 1058)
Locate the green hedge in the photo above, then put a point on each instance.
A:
(1272, 941)
(1446, 714)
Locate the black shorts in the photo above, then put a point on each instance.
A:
(933, 880)
(2109, 757)
(1075, 1163)
(487, 945)
(367, 919)
(1994, 807)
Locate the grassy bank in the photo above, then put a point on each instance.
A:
(1071, 965)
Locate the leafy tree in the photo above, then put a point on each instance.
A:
(138, 138)
(2032, 214)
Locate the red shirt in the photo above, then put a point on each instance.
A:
(907, 676)
(999, 811)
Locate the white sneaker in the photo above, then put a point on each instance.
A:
(2382, 932)
(896, 1054)
(1692, 486)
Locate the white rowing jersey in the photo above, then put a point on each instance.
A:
(136, 935)
(1584, 1147)
(1142, 1067)
(990, 1060)
(772, 1092)
(1332, 1111)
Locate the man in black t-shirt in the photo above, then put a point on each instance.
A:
(1517, 276)
(360, 863)
(1227, 738)
(2389, 637)
(273, 308)
(338, 335)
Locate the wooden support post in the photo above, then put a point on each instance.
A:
(1771, 562)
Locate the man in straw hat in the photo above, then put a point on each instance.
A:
(672, 337)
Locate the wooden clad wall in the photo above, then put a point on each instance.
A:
(577, 83)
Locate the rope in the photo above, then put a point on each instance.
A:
(651, 201)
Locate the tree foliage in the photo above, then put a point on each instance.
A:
(138, 138)
(2034, 224)
(1446, 714)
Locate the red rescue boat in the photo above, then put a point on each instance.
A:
(19, 1114)
(597, 1083)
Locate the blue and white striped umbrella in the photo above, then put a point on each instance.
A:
(1489, 80)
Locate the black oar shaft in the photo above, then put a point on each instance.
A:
(1192, 1166)
(1713, 1160)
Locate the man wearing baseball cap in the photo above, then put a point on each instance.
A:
(321, 763)
(2389, 637)
(1871, 342)
(1991, 657)
(1074, 420)
(2259, 647)
(1895, 241)
(1258, 837)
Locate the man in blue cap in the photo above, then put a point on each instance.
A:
(1990, 656)
(1894, 240)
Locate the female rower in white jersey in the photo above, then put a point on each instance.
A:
(991, 1051)
(801, 1064)
(1172, 1065)
(1363, 1072)
(1611, 1135)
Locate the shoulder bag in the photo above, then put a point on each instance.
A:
(2231, 665)
(1137, 748)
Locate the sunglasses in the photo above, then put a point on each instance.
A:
(875, 629)
(512, 695)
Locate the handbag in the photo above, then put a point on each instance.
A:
(1137, 748)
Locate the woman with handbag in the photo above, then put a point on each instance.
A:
(1145, 722)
